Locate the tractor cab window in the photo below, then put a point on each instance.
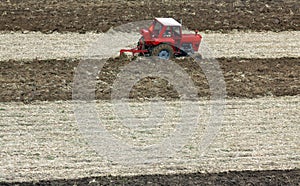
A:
(176, 31)
(155, 28)
(168, 32)
(151, 28)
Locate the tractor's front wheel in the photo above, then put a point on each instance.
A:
(163, 51)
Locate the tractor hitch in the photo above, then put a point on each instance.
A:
(133, 51)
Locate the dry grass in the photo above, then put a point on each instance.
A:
(42, 140)
(73, 45)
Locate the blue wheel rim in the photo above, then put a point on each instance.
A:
(164, 54)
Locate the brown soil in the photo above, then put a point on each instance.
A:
(52, 79)
(267, 177)
(99, 16)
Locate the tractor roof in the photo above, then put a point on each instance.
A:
(168, 21)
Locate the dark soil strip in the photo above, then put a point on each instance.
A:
(52, 80)
(81, 16)
(266, 177)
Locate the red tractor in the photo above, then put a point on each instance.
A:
(164, 38)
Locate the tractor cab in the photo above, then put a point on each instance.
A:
(161, 27)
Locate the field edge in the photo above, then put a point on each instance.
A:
(250, 177)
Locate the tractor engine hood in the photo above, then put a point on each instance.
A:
(195, 39)
(191, 36)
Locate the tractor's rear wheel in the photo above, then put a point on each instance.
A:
(163, 51)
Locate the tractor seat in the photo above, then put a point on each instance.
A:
(167, 33)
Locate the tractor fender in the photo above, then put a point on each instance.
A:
(162, 43)
(166, 43)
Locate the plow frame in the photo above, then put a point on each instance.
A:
(133, 51)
